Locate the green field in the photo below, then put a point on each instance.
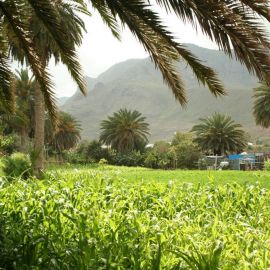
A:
(104, 217)
(144, 175)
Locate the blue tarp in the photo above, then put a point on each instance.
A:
(236, 156)
(252, 157)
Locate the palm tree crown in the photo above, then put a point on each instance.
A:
(66, 135)
(261, 107)
(34, 30)
(125, 130)
(219, 134)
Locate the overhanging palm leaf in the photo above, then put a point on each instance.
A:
(261, 107)
(17, 26)
(12, 14)
(159, 42)
(6, 92)
(47, 13)
(232, 24)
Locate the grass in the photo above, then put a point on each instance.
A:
(145, 175)
(105, 217)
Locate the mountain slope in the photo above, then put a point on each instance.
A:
(136, 84)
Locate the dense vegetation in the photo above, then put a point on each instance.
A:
(96, 219)
(100, 218)
(182, 152)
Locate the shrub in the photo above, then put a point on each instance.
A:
(187, 155)
(160, 156)
(87, 152)
(202, 164)
(151, 160)
(8, 144)
(134, 158)
(266, 165)
(187, 152)
(103, 161)
(74, 157)
(17, 165)
(95, 152)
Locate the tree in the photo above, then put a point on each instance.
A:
(24, 111)
(94, 151)
(66, 135)
(124, 131)
(22, 24)
(261, 107)
(186, 150)
(181, 138)
(219, 135)
(21, 121)
(50, 29)
(160, 156)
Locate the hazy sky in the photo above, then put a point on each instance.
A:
(100, 50)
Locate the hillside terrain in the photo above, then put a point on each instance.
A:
(136, 84)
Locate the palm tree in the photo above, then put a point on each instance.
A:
(55, 29)
(21, 120)
(261, 107)
(24, 91)
(20, 22)
(124, 131)
(73, 24)
(219, 135)
(66, 135)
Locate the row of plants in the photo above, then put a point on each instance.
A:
(95, 220)
(182, 152)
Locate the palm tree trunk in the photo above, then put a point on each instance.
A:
(23, 146)
(39, 133)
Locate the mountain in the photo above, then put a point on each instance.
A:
(136, 84)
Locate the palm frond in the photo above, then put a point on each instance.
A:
(6, 89)
(163, 56)
(261, 7)
(261, 106)
(233, 26)
(46, 12)
(162, 47)
(35, 61)
(107, 17)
